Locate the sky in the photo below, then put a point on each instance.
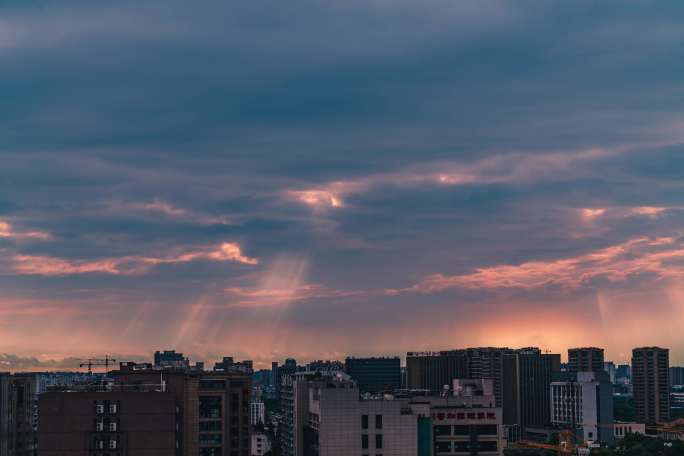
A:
(265, 179)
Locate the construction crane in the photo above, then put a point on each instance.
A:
(90, 362)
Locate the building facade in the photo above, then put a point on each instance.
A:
(585, 359)
(375, 375)
(108, 423)
(18, 420)
(211, 411)
(584, 404)
(651, 384)
(341, 423)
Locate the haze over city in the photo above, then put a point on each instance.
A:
(321, 179)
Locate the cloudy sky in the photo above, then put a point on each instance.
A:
(314, 179)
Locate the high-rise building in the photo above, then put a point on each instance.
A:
(651, 384)
(375, 375)
(435, 371)
(586, 359)
(341, 423)
(169, 359)
(676, 376)
(18, 424)
(528, 374)
(609, 368)
(132, 423)
(623, 373)
(149, 412)
(584, 403)
(257, 413)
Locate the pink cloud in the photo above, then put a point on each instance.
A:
(127, 265)
(170, 211)
(7, 231)
(614, 264)
(514, 167)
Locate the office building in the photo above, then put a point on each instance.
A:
(257, 413)
(466, 421)
(528, 373)
(341, 423)
(585, 404)
(610, 369)
(586, 359)
(131, 423)
(375, 375)
(211, 412)
(169, 359)
(623, 373)
(651, 384)
(18, 420)
(676, 376)
(434, 371)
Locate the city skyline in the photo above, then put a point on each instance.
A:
(326, 179)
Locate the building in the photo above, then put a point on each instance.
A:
(651, 384)
(467, 421)
(623, 374)
(260, 444)
(149, 412)
(585, 404)
(676, 376)
(610, 369)
(108, 422)
(527, 375)
(434, 371)
(228, 363)
(257, 413)
(586, 359)
(341, 423)
(18, 420)
(325, 366)
(375, 375)
(169, 359)
(621, 430)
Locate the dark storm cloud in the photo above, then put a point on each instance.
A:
(345, 152)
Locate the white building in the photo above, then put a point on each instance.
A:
(585, 403)
(257, 412)
(620, 430)
(341, 423)
(260, 444)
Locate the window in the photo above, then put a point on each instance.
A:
(99, 426)
(378, 441)
(210, 406)
(112, 444)
(113, 408)
(364, 441)
(112, 427)
(442, 430)
(378, 421)
(364, 421)
(99, 409)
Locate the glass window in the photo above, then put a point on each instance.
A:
(364, 421)
(378, 441)
(442, 430)
(378, 421)
(364, 441)
(210, 406)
